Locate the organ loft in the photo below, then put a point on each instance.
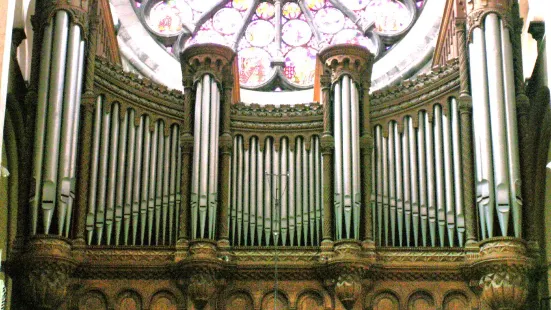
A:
(275, 154)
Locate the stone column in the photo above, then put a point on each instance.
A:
(327, 144)
(345, 119)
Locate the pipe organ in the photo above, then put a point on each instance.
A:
(57, 124)
(134, 196)
(495, 128)
(276, 187)
(204, 187)
(417, 179)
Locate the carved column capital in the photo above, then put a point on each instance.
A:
(202, 59)
(504, 290)
(77, 10)
(478, 9)
(44, 272)
(345, 59)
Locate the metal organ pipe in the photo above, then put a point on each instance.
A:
(448, 179)
(299, 179)
(414, 181)
(41, 114)
(356, 184)
(423, 210)
(161, 158)
(346, 154)
(67, 120)
(399, 182)
(253, 190)
(94, 171)
(439, 169)
(431, 181)
(512, 138)
(379, 148)
(246, 188)
(172, 208)
(213, 157)
(112, 174)
(260, 194)
(152, 179)
(483, 142)
(392, 182)
(102, 180)
(267, 191)
(55, 106)
(166, 189)
(337, 116)
(196, 155)
(145, 178)
(121, 162)
(458, 180)
(130, 174)
(407, 180)
(240, 188)
(283, 190)
(386, 211)
(137, 178)
(203, 155)
(291, 194)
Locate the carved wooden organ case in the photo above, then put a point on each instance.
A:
(189, 200)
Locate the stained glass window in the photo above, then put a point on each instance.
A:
(277, 40)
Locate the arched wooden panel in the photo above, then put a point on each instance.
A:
(129, 300)
(455, 301)
(421, 301)
(239, 301)
(386, 301)
(310, 301)
(163, 301)
(94, 300)
(281, 302)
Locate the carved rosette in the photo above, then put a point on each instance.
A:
(352, 60)
(201, 59)
(44, 272)
(500, 271)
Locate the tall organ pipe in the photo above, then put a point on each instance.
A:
(196, 155)
(94, 171)
(318, 180)
(346, 154)
(213, 158)
(160, 221)
(267, 191)
(305, 203)
(399, 182)
(283, 188)
(173, 216)
(152, 179)
(448, 179)
(422, 177)
(386, 211)
(458, 180)
(119, 203)
(481, 116)
(299, 179)
(129, 175)
(512, 132)
(275, 183)
(260, 194)
(67, 120)
(145, 179)
(246, 188)
(137, 178)
(439, 169)
(234, 172)
(203, 155)
(53, 131)
(498, 123)
(178, 180)
(338, 160)
(407, 180)
(239, 188)
(431, 182)
(392, 183)
(102, 179)
(414, 181)
(356, 183)
(41, 114)
(379, 148)
(311, 192)
(75, 129)
(292, 197)
(112, 174)
(166, 189)
(253, 190)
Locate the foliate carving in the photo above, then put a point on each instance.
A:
(213, 59)
(345, 59)
(348, 289)
(284, 110)
(477, 10)
(45, 269)
(201, 289)
(504, 290)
